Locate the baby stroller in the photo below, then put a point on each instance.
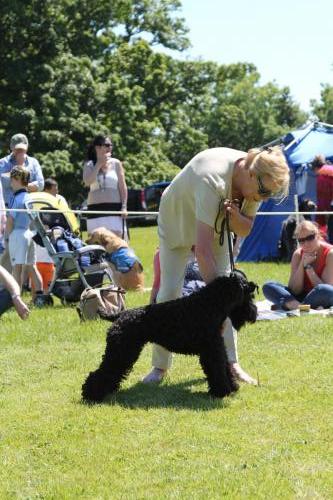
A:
(77, 265)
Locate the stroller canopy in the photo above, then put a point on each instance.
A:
(48, 201)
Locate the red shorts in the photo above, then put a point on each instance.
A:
(46, 270)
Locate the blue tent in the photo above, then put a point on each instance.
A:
(300, 147)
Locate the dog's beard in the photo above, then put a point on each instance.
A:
(244, 313)
(246, 310)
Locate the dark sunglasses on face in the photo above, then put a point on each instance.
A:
(262, 191)
(311, 237)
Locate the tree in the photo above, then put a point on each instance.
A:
(324, 109)
(246, 114)
(52, 86)
(78, 68)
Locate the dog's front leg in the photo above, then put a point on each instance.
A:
(214, 363)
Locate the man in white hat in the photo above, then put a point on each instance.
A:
(18, 157)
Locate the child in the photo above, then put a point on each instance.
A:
(21, 246)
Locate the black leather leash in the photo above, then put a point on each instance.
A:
(225, 224)
(231, 254)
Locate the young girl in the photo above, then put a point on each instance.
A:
(21, 246)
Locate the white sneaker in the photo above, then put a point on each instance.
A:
(155, 376)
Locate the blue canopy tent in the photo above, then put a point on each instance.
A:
(300, 147)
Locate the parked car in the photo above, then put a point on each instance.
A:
(153, 195)
(136, 202)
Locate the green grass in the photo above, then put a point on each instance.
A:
(171, 441)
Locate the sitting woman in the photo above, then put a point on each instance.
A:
(311, 276)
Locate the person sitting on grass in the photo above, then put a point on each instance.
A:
(10, 295)
(21, 245)
(311, 276)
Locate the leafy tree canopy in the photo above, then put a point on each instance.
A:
(74, 68)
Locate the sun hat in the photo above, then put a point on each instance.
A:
(19, 141)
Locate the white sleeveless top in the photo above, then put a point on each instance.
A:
(106, 180)
(105, 188)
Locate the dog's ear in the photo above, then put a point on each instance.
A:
(253, 287)
(235, 288)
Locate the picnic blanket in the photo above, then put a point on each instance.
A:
(265, 313)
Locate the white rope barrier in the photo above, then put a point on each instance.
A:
(86, 212)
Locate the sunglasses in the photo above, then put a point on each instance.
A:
(262, 191)
(106, 145)
(311, 237)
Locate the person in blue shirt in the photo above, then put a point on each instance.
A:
(20, 243)
(18, 158)
(2, 220)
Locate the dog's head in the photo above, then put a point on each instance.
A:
(244, 310)
(109, 240)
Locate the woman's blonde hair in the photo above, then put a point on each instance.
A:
(308, 225)
(270, 162)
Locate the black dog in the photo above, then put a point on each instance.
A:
(189, 325)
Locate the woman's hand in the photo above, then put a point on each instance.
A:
(308, 258)
(239, 224)
(232, 207)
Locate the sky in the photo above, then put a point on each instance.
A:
(289, 41)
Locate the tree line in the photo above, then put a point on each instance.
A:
(74, 68)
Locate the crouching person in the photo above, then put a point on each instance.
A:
(10, 295)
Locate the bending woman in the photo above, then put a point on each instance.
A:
(311, 276)
(192, 211)
(107, 187)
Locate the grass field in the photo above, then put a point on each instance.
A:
(171, 441)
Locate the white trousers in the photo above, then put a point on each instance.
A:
(173, 262)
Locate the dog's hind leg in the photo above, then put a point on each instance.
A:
(117, 363)
(214, 363)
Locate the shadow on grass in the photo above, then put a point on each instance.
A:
(167, 395)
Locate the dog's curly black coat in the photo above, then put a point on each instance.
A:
(189, 325)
